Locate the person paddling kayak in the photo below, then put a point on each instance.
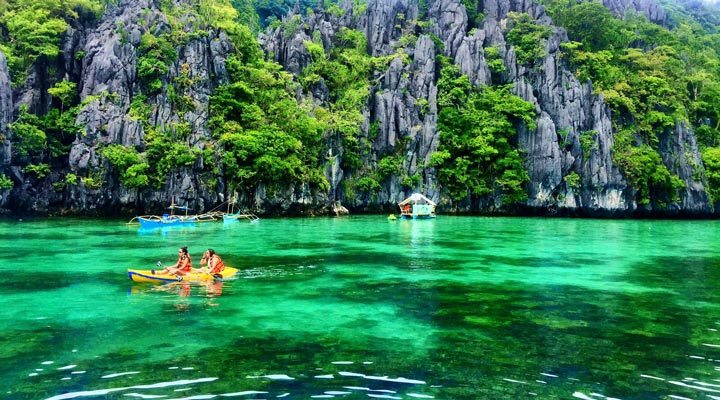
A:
(182, 266)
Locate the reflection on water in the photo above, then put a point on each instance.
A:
(359, 307)
(183, 289)
(179, 293)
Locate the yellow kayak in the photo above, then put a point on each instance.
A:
(147, 275)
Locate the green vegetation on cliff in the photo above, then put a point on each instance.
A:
(30, 34)
(653, 77)
(345, 71)
(31, 29)
(527, 37)
(266, 131)
(267, 136)
(478, 154)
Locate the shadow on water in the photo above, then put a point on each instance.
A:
(43, 281)
(692, 277)
(489, 333)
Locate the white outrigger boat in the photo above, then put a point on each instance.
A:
(417, 206)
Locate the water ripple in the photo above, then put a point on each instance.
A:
(245, 393)
(383, 378)
(119, 374)
(102, 392)
(280, 377)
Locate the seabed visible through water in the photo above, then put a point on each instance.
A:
(362, 307)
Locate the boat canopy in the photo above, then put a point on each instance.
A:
(417, 198)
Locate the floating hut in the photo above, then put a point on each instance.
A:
(417, 206)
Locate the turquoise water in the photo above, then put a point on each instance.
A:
(360, 308)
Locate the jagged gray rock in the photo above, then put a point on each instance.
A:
(543, 161)
(6, 111)
(292, 53)
(470, 58)
(449, 23)
(381, 21)
(566, 110)
(109, 85)
(651, 9)
(399, 118)
(679, 151)
(33, 93)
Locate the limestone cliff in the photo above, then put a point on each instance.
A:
(6, 112)
(101, 56)
(566, 108)
(109, 79)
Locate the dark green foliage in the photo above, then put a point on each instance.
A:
(267, 136)
(476, 156)
(367, 184)
(711, 159)
(494, 61)
(38, 141)
(237, 19)
(136, 176)
(412, 181)
(247, 14)
(61, 130)
(346, 71)
(707, 136)
(156, 55)
(573, 181)
(391, 165)
(36, 138)
(588, 142)
(31, 29)
(168, 149)
(527, 37)
(5, 182)
(164, 152)
(646, 172)
(39, 170)
(133, 172)
(65, 92)
(270, 10)
(439, 45)
(475, 17)
(139, 111)
(591, 24)
(120, 156)
(27, 137)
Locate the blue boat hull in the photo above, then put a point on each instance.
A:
(164, 223)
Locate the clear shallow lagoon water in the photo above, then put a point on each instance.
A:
(360, 308)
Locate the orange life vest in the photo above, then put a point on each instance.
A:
(218, 266)
(184, 263)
